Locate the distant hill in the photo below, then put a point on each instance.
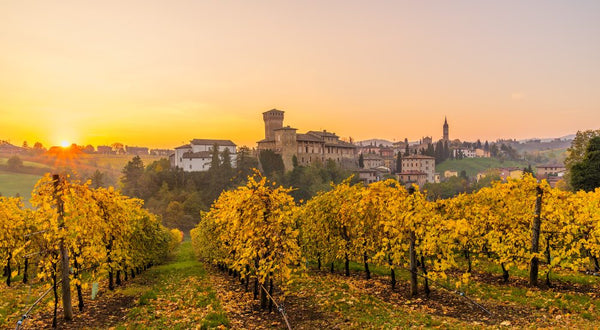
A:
(475, 165)
(566, 138)
(375, 142)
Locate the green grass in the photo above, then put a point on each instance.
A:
(175, 295)
(348, 306)
(12, 184)
(475, 165)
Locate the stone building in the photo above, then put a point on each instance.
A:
(417, 169)
(313, 146)
(138, 151)
(543, 172)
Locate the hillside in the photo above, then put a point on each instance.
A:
(23, 180)
(475, 165)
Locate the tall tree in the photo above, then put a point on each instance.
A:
(577, 150)
(216, 160)
(14, 163)
(430, 150)
(131, 179)
(361, 161)
(585, 175)
(245, 162)
(97, 179)
(399, 162)
(439, 152)
(270, 162)
(446, 150)
(226, 160)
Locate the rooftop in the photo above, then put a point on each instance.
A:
(226, 143)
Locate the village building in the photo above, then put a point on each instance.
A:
(449, 174)
(412, 177)
(545, 171)
(139, 151)
(311, 147)
(161, 152)
(105, 150)
(197, 155)
(504, 173)
(464, 153)
(418, 169)
(372, 161)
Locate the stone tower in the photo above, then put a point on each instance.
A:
(446, 137)
(273, 120)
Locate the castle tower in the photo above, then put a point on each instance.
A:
(446, 137)
(273, 120)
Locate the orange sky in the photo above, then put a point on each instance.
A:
(159, 73)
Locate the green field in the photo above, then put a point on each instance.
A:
(4, 160)
(475, 165)
(13, 183)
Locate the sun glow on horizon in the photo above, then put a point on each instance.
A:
(65, 144)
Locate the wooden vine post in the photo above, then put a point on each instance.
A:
(413, 258)
(535, 237)
(64, 254)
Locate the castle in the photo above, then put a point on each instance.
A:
(314, 146)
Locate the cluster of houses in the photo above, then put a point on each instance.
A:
(377, 159)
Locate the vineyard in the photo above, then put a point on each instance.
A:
(260, 236)
(518, 253)
(77, 236)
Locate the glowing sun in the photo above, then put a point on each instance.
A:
(65, 144)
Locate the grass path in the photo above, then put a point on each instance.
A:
(175, 295)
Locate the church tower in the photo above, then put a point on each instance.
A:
(446, 137)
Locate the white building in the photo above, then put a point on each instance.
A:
(197, 156)
(466, 153)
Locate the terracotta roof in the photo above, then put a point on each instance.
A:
(322, 133)
(201, 154)
(221, 143)
(308, 137)
(372, 156)
(185, 146)
(549, 166)
(366, 170)
(341, 144)
(417, 157)
(285, 128)
(413, 172)
(266, 140)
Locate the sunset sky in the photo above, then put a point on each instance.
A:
(159, 73)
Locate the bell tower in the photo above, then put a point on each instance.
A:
(446, 137)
